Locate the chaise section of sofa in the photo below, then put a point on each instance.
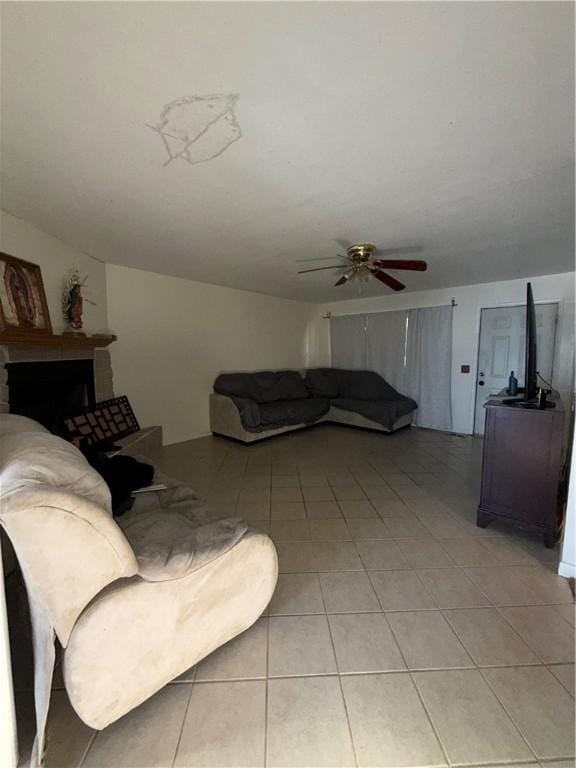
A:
(361, 393)
(252, 406)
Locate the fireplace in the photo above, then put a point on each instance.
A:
(48, 391)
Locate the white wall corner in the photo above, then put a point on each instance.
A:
(567, 567)
(568, 570)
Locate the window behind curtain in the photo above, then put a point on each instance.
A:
(410, 349)
(348, 342)
(386, 346)
(429, 366)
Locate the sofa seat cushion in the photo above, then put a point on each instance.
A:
(284, 414)
(351, 385)
(384, 412)
(262, 386)
(364, 385)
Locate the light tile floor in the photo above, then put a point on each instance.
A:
(400, 634)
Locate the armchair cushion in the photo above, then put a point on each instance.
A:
(173, 533)
(171, 545)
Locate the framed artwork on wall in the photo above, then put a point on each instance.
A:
(23, 306)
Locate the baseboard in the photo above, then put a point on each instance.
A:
(567, 570)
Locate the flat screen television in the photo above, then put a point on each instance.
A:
(531, 381)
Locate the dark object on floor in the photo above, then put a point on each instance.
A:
(105, 422)
(522, 468)
(122, 474)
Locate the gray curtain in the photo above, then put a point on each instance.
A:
(348, 342)
(429, 365)
(386, 346)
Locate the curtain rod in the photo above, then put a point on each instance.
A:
(328, 315)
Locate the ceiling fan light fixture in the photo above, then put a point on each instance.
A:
(362, 265)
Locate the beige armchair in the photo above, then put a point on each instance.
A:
(133, 605)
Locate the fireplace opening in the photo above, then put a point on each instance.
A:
(48, 392)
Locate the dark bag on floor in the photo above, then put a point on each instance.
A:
(122, 475)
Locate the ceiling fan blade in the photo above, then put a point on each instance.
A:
(388, 280)
(418, 266)
(319, 269)
(405, 249)
(319, 258)
(344, 279)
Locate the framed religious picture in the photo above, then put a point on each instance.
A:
(23, 307)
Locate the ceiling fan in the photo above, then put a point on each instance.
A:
(361, 264)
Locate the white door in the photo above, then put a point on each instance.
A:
(502, 350)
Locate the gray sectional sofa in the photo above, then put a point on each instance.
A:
(253, 406)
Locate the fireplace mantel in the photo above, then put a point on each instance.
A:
(64, 340)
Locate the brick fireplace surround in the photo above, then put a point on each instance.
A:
(146, 442)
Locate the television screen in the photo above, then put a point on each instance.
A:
(531, 383)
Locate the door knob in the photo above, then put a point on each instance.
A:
(480, 383)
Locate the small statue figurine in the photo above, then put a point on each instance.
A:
(72, 300)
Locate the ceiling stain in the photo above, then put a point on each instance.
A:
(198, 128)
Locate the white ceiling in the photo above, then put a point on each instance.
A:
(445, 125)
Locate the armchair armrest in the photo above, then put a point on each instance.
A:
(69, 549)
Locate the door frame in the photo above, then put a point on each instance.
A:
(476, 351)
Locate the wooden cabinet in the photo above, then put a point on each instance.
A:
(521, 467)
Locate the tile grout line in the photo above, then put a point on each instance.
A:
(443, 612)
(82, 760)
(570, 692)
(451, 476)
(341, 687)
(186, 708)
(414, 685)
(460, 668)
(517, 633)
(267, 683)
(508, 713)
(417, 571)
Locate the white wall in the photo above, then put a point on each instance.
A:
(175, 336)
(470, 299)
(567, 566)
(56, 259)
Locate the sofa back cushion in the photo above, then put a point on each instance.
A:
(262, 386)
(322, 382)
(354, 385)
